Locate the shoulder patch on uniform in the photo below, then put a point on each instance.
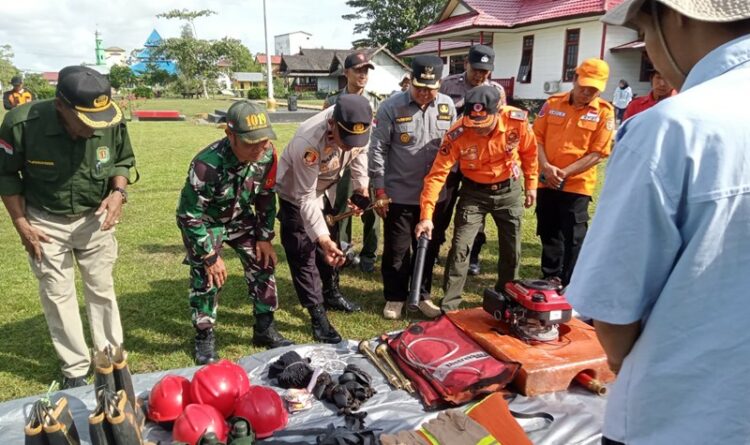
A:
(443, 108)
(518, 115)
(455, 134)
(205, 172)
(7, 148)
(544, 109)
(310, 158)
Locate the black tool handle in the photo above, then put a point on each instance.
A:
(416, 278)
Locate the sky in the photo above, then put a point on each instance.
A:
(47, 35)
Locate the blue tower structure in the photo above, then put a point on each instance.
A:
(145, 57)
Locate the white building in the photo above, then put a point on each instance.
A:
(115, 56)
(292, 43)
(537, 43)
(323, 69)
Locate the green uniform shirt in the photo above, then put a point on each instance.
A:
(53, 172)
(217, 200)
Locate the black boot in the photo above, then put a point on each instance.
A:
(334, 300)
(205, 350)
(265, 333)
(321, 327)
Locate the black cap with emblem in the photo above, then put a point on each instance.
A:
(481, 106)
(482, 57)
(353, 116)
(427, 72)
(357, 60)
(89, 94)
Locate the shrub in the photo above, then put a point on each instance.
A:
(257, 93)
(143, 92)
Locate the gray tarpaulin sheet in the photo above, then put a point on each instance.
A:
(578, 414)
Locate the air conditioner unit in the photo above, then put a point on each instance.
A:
(551, 86)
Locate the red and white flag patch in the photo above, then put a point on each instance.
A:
(7, 148)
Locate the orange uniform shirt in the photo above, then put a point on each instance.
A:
(568, 133)
(484, 159)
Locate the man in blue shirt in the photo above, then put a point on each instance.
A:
(664, 269)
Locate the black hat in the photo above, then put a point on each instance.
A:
(353, 116)
(89, 93)
(427, 71)
(357, 60)
(16, 80)
(482, 57)
(249, 121)
(481, 106)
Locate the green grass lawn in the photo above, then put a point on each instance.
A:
(152, 283)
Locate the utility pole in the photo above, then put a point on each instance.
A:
(270, 102)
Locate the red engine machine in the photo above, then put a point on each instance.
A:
(533, 309)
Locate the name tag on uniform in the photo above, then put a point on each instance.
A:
(518, 115)
(403, 119)
(444, 117)
(590, 117)
(557, 113)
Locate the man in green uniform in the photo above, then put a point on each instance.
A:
(64, 166)
(356, 70)
(225, 181)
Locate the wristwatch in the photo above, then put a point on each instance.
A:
(123, 193)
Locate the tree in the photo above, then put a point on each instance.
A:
(121, 76)
(40, 87)
(239, 56)
(391, 22)
(7, 70)
(188, 16)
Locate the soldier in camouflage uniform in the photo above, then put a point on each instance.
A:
(225, 181)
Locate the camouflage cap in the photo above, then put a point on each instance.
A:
(250, 122)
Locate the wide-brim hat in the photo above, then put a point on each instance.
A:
(716, 11)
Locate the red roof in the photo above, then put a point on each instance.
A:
(50, 76)
(513, 13)
(431, 47)
(261, 58)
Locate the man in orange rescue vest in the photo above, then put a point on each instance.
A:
(18, 95)
(574, 133)
(489, 146)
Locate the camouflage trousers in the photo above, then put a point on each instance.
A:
(261, 284)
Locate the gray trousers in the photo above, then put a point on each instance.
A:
(505, 205)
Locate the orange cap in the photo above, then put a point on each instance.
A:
(593, 73)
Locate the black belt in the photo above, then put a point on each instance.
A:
(494, 187)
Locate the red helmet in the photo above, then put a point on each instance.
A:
(264, 409)
(243, 382)
(215, 385)
(168, 398)
(197, 420)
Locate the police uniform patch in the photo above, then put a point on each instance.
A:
(7, 148)
(518, 115)
(591, 117)
(443, 109)
(310, 157)
(557, 113)
(405, 138)
(444, 117)
(102, 154)
(403, 119)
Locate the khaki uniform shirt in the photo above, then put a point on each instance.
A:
(310, 166)
(456, 87)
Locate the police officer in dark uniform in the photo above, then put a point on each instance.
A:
(478, 67)
(411, 125)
